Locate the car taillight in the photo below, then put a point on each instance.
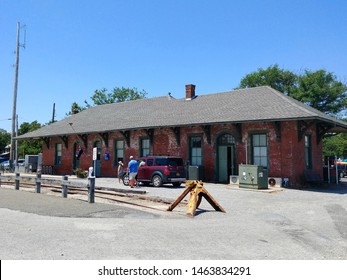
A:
(166, 171)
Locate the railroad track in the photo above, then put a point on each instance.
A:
(104, 195)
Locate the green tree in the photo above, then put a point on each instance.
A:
(116, 95)
(279, 79)
(75, 108)
(103, 96)
(321, 90)
(5, 139)
(30, 147)
(335, 145)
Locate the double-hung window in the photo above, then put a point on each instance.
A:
(308, 152)
(119, 151)
(260, 150)
(196, 150)
(145, 147)
(58, 154)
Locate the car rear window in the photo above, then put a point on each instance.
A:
(176, 162)
(161, 161)
(168, 162)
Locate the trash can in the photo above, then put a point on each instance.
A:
(252, 177)
(195, 172)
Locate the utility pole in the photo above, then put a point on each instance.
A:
(16, 146)
(13, 154)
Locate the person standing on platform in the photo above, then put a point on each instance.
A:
(120, 170)
(132, 169)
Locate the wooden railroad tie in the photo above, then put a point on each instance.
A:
(197, 191)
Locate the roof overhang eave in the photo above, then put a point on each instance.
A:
(337, 126)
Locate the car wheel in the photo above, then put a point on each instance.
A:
(126, 180)
(176, 184)
(157, 181)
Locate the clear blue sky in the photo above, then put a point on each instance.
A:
(74, 47)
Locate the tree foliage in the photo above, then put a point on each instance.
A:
(319, 89)
(29, 147)
(75, 107)
(273, 76)
(103, 96)
(5, 139)
(335, 145)
(116, 95)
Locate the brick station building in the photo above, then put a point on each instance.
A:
(217, 132)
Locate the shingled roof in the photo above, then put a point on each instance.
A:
(237, 106)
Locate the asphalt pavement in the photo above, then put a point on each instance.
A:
(278, 223)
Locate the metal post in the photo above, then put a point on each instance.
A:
(91, 190)
(329, 170)
(38, 182)
(246, 146)
(64, 187)
(17, 180)
(337, 171)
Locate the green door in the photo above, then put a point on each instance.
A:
(223, 163)
(226, 158)
(76, 154)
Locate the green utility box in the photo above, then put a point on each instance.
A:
(252, 177)
(195, 173)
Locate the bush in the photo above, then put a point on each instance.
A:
(80, 173)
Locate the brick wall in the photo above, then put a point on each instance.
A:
(286, 155)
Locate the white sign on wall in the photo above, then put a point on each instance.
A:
(95, 151)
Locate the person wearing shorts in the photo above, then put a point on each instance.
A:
(132, 168)
(120, 170)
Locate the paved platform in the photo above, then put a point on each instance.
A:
(289, 224)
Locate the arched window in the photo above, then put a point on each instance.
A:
(226, 140)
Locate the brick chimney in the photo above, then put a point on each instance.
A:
(190, 92)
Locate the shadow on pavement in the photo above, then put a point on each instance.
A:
(341, 188)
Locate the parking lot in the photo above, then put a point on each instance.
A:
(277, 224)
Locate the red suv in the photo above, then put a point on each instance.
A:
(159, 170)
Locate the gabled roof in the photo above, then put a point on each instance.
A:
(237, 106)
